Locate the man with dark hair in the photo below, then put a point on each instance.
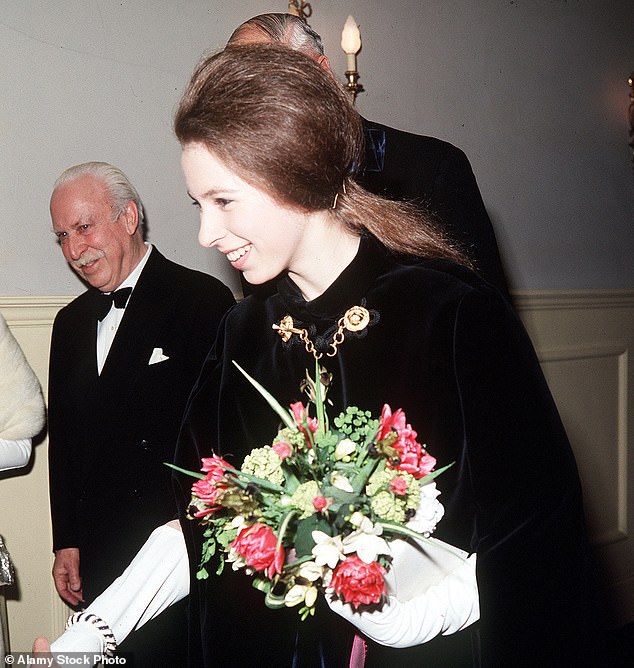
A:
(124, 357)
(399, 165)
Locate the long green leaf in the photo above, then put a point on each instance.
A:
(285, 522)
(266, 484)
(434, 474)
(193, 474)
(319, 400)
(285, 415)
(402, 530)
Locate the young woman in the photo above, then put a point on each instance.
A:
(270, 145)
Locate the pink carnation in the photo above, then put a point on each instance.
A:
(257, 544)
(358, 583)
(398, 486)
(301, 414)
(427, 463)
(214, 467)
(320, 503)
(412, 457)
(283, 449)
(209, 492)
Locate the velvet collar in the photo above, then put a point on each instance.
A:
(347, 290)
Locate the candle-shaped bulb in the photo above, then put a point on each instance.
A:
(351, 42)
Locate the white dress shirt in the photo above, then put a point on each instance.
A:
(107, 328)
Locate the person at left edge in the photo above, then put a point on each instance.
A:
(120, 374)
(21, 419)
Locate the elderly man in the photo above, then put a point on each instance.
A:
(124, 356)
(400, 165)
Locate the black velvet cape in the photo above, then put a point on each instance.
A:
(448, 349)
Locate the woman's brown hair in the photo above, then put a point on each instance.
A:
(284, 125)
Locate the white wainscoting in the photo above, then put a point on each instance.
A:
(33, 606)
(585, 341)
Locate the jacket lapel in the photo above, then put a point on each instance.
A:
(141, 326)
(85, 346)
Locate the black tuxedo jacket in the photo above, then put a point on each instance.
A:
(109, 434)
(437, 176)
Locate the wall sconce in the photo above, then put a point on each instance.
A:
(630, 114)
(301, 9)
(351, 44)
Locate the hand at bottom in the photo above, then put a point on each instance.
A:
(42, 646)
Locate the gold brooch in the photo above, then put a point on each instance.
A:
(355, 319)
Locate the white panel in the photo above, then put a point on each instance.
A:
(593, 418)
(33, 607)
(584, 340)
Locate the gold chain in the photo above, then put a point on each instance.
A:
(354, 319)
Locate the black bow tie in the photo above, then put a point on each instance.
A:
(105, 301)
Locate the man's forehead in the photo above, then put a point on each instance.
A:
(79, 201)
(84, 192)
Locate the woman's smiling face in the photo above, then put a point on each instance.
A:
(259, 237)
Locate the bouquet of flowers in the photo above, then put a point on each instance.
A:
(317, 506)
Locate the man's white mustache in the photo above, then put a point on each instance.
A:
(86, 259)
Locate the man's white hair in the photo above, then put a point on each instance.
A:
(120, 189)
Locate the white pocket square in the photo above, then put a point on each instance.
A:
(157, 356)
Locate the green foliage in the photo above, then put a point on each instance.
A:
(357, 425)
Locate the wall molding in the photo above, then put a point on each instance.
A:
(23, 310)
(536, 300)
(524, 300)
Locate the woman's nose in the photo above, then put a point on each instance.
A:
(211, 231)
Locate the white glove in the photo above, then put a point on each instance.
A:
(157, 577)
(14, 454)
(431, 587)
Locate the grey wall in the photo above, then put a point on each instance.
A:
(534, 91)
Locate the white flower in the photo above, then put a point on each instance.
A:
(298, 594)
(327, 550)
(429, 512)
(366, 540)
(344, 448)
(295, 595)
(311, 596)
(311, 571)
(363, 523)
(368, 546)
(236, 560)
(340, 481)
